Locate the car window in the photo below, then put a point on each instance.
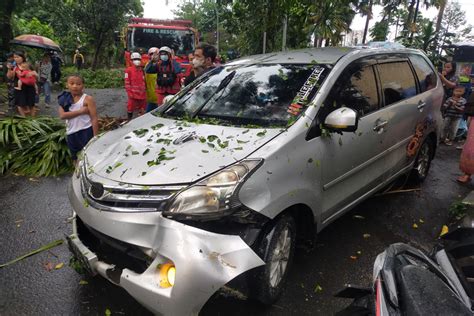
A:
(397, 80)
(426, 75)
(356, 88)
(249, 94)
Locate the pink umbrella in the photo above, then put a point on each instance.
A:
(35, 41)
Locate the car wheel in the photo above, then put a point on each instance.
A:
(276, 249)
(423, 161)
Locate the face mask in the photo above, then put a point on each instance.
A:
(198, 62)
(137, 62)
(164, 57)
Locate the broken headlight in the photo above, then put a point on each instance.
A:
(214, 196)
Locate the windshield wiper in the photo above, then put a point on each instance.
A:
(221, 86)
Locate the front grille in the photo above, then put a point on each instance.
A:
(126, 197)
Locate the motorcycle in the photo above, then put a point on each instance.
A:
(406, 281)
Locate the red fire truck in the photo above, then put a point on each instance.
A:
(143, 33)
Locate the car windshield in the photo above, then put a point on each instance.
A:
(181, 41)
(248, 94)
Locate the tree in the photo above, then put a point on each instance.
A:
(365, 8)
(6, 13)
(379, 31)
(454, 26)
(100, 18)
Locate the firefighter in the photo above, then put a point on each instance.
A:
(135, 86)
(150, 80)
(167, 72)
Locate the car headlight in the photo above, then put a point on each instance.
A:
(214, 196)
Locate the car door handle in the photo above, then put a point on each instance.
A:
(380, 124)
(421, 105)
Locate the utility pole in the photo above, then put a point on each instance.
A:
(264, 42)
(217, 28)
(285, 26)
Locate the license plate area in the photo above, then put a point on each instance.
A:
(82, 254)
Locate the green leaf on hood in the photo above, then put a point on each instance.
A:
(157, 126)
(223, 144)
(140, 132)
(212, 138)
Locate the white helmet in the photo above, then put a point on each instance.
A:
(135, 56)
(153, 50)
(166, 49)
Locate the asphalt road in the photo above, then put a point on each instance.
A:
(34, 212)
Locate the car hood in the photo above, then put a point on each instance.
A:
(152, 150)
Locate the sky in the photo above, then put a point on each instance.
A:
(159, 10)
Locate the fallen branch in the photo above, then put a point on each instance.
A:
(399, 191)
(44, 248)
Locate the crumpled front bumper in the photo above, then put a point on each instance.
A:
(204, 261)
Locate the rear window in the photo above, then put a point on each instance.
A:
(262, 95)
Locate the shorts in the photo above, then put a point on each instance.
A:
(78, 140)
(25, 97)
(136, 104)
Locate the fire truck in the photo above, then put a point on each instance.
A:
(143, 33)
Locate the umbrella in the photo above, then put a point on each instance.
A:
(35, 41)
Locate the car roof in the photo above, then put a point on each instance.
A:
(324, 55)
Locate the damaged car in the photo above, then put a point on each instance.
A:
(225, 178)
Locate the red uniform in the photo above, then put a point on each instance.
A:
(135, 87)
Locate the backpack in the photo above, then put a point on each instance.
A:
(166, 76)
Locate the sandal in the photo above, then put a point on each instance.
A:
(464, 179)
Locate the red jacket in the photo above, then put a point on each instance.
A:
(135, 83)
(26, 78)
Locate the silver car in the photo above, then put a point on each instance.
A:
(229, 174)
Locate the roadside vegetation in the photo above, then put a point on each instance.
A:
(34, 147)
(98, 79)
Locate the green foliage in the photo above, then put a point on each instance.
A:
(98, 79)
(33, 26)
(457, 210)
(379, 31)
(34, 146)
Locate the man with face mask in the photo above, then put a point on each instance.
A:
(203, 61)
(135, 86)
(167, 72)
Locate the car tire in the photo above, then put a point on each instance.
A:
(423, 161)
(276, 249)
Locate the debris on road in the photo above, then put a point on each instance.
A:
(44, 248)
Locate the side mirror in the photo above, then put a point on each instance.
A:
(342, 120)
